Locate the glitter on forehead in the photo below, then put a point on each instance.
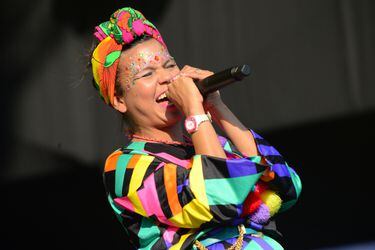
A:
(144, 59)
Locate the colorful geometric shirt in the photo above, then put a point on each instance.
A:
(166, 196)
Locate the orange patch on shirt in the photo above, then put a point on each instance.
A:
(133, 161)
(268, 175)
(170, 184)
(111, 161)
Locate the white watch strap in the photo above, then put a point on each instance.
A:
(201, 118)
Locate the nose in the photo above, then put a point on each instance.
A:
(165, 76)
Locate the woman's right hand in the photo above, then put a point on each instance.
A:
(183, 92)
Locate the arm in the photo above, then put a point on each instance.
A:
(183, 92)
(221, 114)
(280, 177)
(241, 137)
(205, 140)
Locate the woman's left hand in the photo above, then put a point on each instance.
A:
(213, 99)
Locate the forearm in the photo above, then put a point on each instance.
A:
(205, 139)
(234, 129)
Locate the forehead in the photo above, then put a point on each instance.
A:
(145, 48)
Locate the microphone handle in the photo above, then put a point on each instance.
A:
(218, 80)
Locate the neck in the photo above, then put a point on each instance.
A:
(173, 133)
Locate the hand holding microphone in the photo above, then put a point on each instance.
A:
(207, 83)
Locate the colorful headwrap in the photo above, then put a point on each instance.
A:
(124, 26)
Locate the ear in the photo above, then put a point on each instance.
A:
(119, 104)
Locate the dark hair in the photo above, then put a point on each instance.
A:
(128, 123)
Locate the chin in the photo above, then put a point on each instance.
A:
(173, 117)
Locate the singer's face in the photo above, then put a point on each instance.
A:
(144, 71)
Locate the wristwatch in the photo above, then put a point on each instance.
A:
(192, 122)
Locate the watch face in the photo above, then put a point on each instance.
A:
(190, 124)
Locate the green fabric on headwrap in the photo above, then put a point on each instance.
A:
(149, 24)
(111, 58)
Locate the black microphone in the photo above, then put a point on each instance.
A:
(223, 78)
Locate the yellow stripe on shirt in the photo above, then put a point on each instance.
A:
(182, 240)
(136, 181)
(193, 215)
(196, 180)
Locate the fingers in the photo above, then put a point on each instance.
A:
(188, 70)
(195, 73)
(175, 77)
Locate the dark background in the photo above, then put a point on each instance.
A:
(311, 95)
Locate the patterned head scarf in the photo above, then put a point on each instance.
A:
(124, 26)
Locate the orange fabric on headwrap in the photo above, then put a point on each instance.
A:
(105, 77)
(123, 27)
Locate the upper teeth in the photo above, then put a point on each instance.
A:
(162, 96)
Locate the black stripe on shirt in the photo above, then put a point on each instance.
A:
(162, 193)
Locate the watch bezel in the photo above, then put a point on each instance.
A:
(194, 121)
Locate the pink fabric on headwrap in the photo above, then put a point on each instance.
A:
(99, 34)
(138, 27)
(124, 26)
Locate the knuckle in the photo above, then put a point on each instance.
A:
(186, 67)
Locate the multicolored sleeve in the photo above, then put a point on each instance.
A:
(201, 190)
(280, 177)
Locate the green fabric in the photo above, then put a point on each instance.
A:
(137, 145)
(231, 191)
(111, 58)
(274, 244)
(114, 207)
(120, 174)
(148, 233)
(253, 246)
(226, 233)
(297, 184)
(227, 147)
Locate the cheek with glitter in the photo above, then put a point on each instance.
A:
(128, 81)
(129, 73)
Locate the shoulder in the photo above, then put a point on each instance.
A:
(127, 156)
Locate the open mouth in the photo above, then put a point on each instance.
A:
(162, 98)
(165, 102)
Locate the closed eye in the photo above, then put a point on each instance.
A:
(150, 73)
(147, 74)
(171, 65)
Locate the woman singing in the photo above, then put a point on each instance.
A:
(177, 184)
